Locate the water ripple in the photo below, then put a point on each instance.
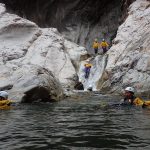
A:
(74, 125)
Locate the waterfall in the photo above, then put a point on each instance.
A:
(97, 69)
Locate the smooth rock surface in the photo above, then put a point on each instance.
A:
(35, 63)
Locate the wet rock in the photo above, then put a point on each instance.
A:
(79, 86)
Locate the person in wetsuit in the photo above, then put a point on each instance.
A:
(130, 98)
(87, 69)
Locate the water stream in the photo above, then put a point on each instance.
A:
(83, 124)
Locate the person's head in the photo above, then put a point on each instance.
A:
(103, 40)
(95, 40)
(85, 65)
(90, 87)
(129, 92)
(3, 95)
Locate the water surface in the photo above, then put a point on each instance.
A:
(75, 125)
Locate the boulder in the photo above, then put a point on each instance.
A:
(35, 62)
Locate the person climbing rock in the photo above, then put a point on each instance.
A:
(87, 69)
(130, 98)
(95, 46)
(104, 46)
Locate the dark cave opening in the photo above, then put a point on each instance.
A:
(81, 21)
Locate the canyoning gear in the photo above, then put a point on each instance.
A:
(5, 104)
(104, 44)
(87, 70)
(104, 50)
(130, 89)
(132, 101)
(95, 46)
(138, 102)
(88, 65)
(146, 104)
(4, 95)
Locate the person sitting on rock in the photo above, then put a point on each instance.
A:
(104, 46)
(87, 69)
(95, 46)
(130, 99)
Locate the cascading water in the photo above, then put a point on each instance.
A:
(97, 69)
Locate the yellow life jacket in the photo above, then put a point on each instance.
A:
(5, 104)
(138, 102)
(146, 104)
(88, 65)
(104, 44)
(95, 45)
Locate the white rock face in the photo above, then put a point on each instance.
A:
(76, 53)
(129, 57)
(29, 56)
(16, 36)
(32, 58)
(48, 52)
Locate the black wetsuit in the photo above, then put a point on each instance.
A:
(126, 101)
